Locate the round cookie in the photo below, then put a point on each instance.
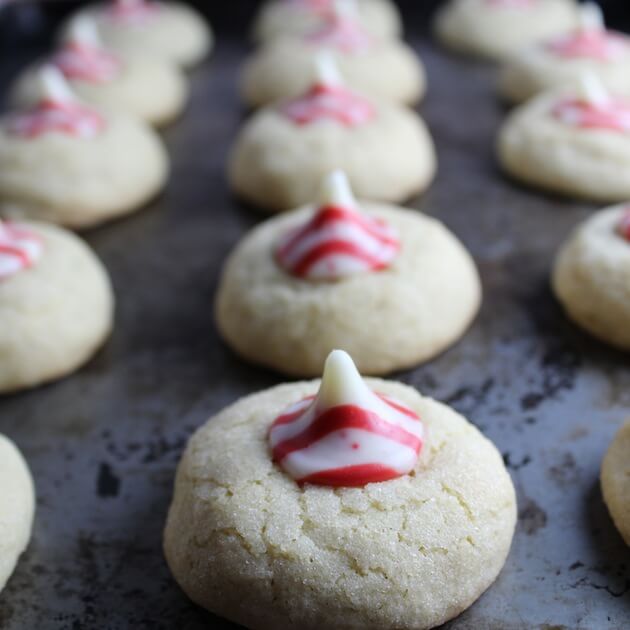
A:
(572, 142)
(563, 60)
(74, 165)
(314, 556)
(591, 276)
(391, 317)
(55, 311)
(17, 507)
(385, 69)
(170, 30)
(114, 81)
(278, 18)
(615, 480)
(283, 152)
(497, 28)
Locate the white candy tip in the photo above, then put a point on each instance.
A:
(53, 86)
(591, 17)
(326, 70)
(341, 381)
(336, 191)
(83, 31)
(592, 89)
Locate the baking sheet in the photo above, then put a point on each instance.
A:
(103, 444)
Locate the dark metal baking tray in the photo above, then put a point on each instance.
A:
(103, 444)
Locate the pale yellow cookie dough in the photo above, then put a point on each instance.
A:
(17, 507)
(538, 149)
(386, 320)
(149, 88)
(536, 68)
(285, 68)
(81, 182)
(177, 33)
(277, 18)
(616, 481)
(477, 28)
(277, 164)
(591, 278)
(246, 542)
(55, 315)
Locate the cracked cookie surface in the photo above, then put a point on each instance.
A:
(246, 542)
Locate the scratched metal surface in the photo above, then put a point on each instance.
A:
(104, 443)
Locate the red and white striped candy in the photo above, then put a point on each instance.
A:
(613, 115)
(342, 30)
(330, 102)
(316, 6)
(623, 227)
(19, 249)
(133, 12)
(84, 62)
(347, 435)
(601, 45)
(338, 241)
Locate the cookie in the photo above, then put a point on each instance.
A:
(17, 507)
(115, 81)
(329, 508)
(390, 286)
(563, 60)
(572, 142)
(283, 152)
(278, 18)
(591, 276)
(69, 163)
(56, 304)
(384, 69)
(497, 28)
(168, 30)
(615, 480)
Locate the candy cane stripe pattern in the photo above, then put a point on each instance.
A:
(58, 111)
(19, 249)
(595, 108)
(133, 12)
(342, 29)
(348, 435)
(329, 99)
(338, 241)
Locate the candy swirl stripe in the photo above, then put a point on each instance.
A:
(600, 45)
(342, 33)
(338, 242)
(347, 444)
(328, 102)
(69, 118)
(19, 249)
(613, 115)
(87, 63)
(133, 12)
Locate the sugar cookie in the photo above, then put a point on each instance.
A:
(329, 507)
(277, 18)
(384, 69)
(498, 28)
(563, 60)
(574, 142)
(171, 30)
(56, 304)
(284, 150)
(616, 481)
(391, 286)
(69, 163)
(17, 506)
(115, 81)
(591, 277)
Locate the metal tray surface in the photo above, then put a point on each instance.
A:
(103, 444)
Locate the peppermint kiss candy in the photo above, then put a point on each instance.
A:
(134, 12)
(591, 40)
(19, 249)
(347, 436)
(329, 99)
(595, 108)
(623, 227)
(58, 111)
(338, 241)
(342, 30)
(83, 57)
